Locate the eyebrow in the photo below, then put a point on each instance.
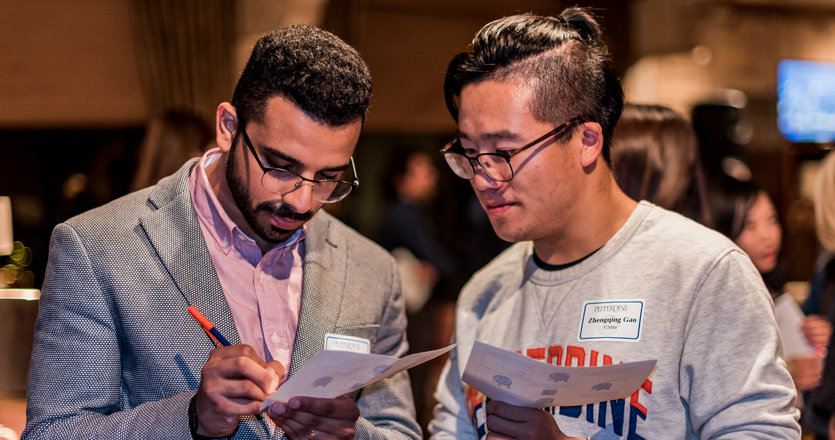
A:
(501, 135)
(271, 153)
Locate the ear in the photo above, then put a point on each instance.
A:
(226, 124)
(591, 138)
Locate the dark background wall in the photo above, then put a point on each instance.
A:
(75, 104)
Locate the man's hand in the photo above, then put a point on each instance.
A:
(310, 417)
(234, 382)
(506, 421)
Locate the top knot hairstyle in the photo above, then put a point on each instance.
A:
(562, 59)
(315, 70)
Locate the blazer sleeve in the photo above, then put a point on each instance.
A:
(387, 406)
(75, 377)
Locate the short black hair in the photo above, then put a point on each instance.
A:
(562, 59)
(318, 72)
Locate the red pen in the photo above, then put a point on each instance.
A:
(208, 327)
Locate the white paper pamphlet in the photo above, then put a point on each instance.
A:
(332, 373)
(513, 378)
(789, 320)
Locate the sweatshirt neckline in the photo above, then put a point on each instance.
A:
(541, 276)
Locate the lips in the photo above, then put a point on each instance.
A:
(285, 223)
(770, 256)
(496, 208)
(284, 217)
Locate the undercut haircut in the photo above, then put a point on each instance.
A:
(562, 60)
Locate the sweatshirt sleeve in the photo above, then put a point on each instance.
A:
(732, 374)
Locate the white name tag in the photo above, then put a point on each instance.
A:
(347, 343)
(612, 320)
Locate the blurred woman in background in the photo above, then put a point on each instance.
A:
(745, 213)
(655, 156)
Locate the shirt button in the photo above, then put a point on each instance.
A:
(275, 338)
(261, 276)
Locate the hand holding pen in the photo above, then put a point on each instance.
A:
(234, 382)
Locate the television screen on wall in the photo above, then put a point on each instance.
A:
(806, 100)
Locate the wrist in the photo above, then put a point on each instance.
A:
(194, 423)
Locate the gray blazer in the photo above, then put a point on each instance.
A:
(117, 356)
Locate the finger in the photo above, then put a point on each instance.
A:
(336, 425)
(295, 429)
(279, 370)
(235, 380)
(501, 427)
(337, 408)
(243, 367)
(235, 351)
(498, 436)
(816, 324)
(506, 411)
(539, 425)
(292, 429)
(237, 397)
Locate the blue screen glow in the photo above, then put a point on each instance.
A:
(806, 100)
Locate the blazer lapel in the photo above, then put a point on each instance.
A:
(325, 267)
(174, 232)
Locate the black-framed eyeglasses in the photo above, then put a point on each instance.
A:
(495, 165)
(283, 181)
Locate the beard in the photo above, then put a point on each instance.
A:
(243, 199)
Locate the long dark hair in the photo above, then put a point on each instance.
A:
(730, 202)
(655, 157)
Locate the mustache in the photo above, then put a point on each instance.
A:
(286, 211)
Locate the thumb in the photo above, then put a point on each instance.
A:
(280, 374)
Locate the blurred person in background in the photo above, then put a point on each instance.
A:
(655, 157)
(170, 139)
(411, 184)
(821, 297)
(823, 398)
(745, 213)
(426, 265)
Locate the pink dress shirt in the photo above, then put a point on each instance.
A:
(263, 291)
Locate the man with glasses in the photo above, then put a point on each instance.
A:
(594, 278)
(237, 235)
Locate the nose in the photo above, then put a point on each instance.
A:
(481, 181)
(773, 235)
(301, 198)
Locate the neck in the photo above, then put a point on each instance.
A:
(216, 174)
(597, 217)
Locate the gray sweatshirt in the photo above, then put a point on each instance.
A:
(663, 287)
